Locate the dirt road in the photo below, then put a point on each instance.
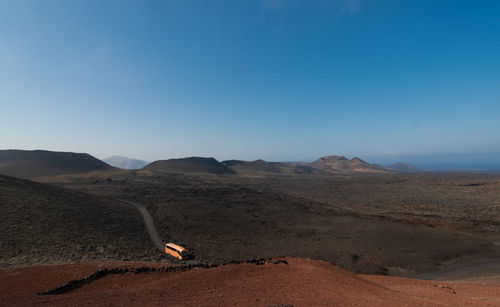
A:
(148, 220)
(470, 270)
(457, 272)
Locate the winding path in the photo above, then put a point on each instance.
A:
(468, 270)
(472, 269)
(148, 220)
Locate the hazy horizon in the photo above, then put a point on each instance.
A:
(278, 80)
(424, 161)
(437, 161)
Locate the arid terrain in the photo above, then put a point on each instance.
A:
(44, 224)
(378, 222)
(401, 224)
(274, 153)
(275, 282)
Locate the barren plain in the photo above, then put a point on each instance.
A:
(397, 224)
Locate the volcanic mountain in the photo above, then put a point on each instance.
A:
(264, 167)
(125, 163)
(254, 166)
(340, 164)
(189, 165)
(36, 163)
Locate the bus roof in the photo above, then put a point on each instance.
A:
(177, 247)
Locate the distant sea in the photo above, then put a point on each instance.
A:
(442, 162)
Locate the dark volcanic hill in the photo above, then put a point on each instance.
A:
(254, 166)
(189, 165)
(36, 163)
(404, 167)
(263, 167)
(125, 163)
(43, 224)
(340, 164)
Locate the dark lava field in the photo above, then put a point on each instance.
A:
(390, 223)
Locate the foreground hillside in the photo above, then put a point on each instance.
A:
(46, 224)
(276, 282)
(36, 163)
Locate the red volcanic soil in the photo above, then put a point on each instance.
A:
(299, 282)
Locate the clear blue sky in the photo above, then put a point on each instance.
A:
(272, 79)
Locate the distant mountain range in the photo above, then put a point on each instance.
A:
(36, 163)
(125, 163)
(324, 165)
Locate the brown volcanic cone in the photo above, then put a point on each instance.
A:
(340, 164)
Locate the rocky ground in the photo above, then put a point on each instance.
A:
(397, 224)
(44, 224)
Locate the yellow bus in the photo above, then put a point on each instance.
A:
(176, 251)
